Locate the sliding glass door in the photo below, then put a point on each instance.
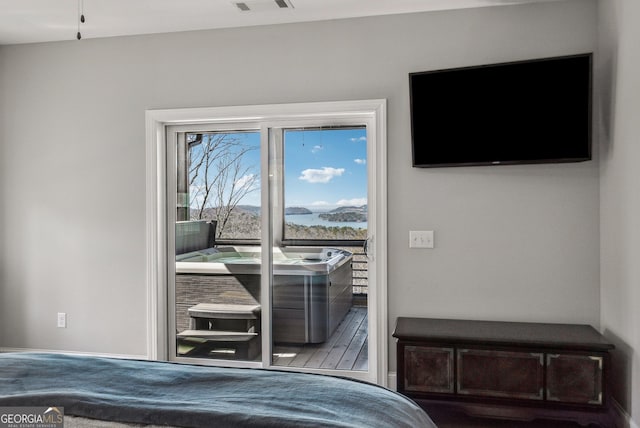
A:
(319, 303)
(215, 302)
(267, 220)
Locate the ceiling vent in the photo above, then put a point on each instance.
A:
(258, 5)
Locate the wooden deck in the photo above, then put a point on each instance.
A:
(346, 349)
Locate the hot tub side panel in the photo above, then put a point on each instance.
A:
(340, 295)
(308, 309)
(300, 308)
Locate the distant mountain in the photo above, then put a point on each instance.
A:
(252, 209)
(244, 223)
(346, 214)
(340, 214)
(296, 210)
(361, 209)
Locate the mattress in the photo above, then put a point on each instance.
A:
(183, 395)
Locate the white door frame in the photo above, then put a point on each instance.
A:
(373, 111)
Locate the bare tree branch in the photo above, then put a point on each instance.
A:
(218, 176)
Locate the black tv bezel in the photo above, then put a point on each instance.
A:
(589, 142)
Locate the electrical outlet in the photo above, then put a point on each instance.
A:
(421, 239)
(62, 320)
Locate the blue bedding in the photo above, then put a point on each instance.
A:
(163, 393)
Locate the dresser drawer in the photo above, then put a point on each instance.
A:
(574, 378)
(490, 373)
(429, 369)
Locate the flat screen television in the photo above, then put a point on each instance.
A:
(534, 111)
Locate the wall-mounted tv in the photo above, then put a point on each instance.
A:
(534, 111)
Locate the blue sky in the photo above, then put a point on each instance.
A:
(324, 169)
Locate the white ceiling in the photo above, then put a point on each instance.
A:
(28, 21)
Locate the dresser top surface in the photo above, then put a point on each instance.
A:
(578, 336)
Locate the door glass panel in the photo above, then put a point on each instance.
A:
(319, 281)
(325, 182)
(217, 232)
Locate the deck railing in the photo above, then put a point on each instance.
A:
(360, 274)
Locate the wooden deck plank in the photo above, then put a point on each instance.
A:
(355, 347)
(325, 348)
(342, 344)
(303, 356)
(284, 355)
(362, 363)
(347, 345)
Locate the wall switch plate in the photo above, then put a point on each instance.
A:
(62, 320)
(421, 239)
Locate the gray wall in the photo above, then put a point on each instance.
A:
(512, 242)
(619, 66)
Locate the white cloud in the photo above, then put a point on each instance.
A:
(355, 202)
(316, 149)
(355, 140)
(320, 204)
(249, 180)
(360, 161)
(323, 175)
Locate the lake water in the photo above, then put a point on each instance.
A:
(315, 220)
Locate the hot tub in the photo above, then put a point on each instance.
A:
(312, 287)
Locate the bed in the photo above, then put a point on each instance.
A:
(105, 392)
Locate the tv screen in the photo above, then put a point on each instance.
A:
(535, 111)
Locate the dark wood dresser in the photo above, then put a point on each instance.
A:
(505, 369)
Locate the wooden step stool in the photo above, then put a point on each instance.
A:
(226, 327)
